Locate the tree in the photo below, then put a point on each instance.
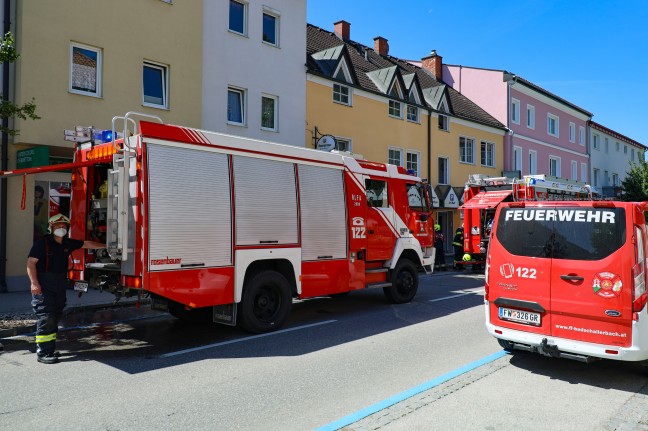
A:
(9, 109)
(635, 184)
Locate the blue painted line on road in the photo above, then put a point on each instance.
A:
(368, 411)
(239, 340)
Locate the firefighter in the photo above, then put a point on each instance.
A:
(439, 239)
(457, 243)
(47, 267)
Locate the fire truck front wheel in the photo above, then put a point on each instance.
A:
(266, 302)
(404, 283)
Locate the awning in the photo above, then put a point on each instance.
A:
(485, 200)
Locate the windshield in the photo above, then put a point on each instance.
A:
(417, 198)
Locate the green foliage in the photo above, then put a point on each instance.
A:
(635, 184)
(8, 109)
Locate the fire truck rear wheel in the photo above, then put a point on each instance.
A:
(266, 302)
(404, 283)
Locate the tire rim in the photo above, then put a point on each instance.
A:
(405, 282)
(267, 303)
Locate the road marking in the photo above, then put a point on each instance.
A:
(458, 295)
(240, 340)
(368, 411)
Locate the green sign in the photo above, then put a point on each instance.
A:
(32, 157)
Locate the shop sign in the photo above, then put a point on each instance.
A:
(32, 157)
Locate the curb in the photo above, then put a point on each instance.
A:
(20, 330)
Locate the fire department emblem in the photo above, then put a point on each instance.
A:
(607, 285)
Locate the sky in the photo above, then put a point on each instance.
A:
(593, 53)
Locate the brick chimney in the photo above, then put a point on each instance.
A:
(342, 29)
(433, 63)
(380, 45)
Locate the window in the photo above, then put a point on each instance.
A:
(574, 170)
(533, 162)
(236, 106)
(581, 135)
(552, 125)
(444, 123)
(155, 85)
(341, 94)
(376, 193)
(606, 178)
(618, 146)
(625, 149)
(632, 155)
(517, 159)
(416, 197)
(531, 116)
(488, 154)
(395, 156)
(269, 112)
(85, 70)
(466, 150)
(515, 111)
(606, 145)
(395, 109)
(238, 17)
(554, 166)
(615, 180)
(595, 177)
(595, 142)
(572, 132)
(444, 173)
(270, 29)
(342, 144)
(412, 162)
(584, 172)
(412, 114)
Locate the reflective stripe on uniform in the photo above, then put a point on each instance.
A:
(45, 338)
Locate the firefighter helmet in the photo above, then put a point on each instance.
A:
(437, 227)
(58, 218)
(467, 257)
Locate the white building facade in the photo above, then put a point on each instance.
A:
(254, 75)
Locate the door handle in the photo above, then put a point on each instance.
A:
(572, 277)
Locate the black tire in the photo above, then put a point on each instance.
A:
(405, 281)
(506, 345)
(266, 303)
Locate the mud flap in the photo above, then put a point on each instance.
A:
(225, 314)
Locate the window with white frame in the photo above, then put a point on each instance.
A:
(533, 162)
(554, 166)
(584, 172)
(342, 144)
(515, 111)
(444, 171)
(552, 125)
(606, 145)
(625, 149)
(581, 135)
(155, 85)
(341, 94)
(487, 154)
(606, 178)
(574, 170)
(572, 132)
(595, 177)
(412, 159)
(269, 111)
(517, 159)
(466, 150)
(395, 156)
(236, 106)
(412, 114)
(85, 70)
(444, 123)
(238, 17)
(531, 116)
(618, 146)
(615, 180)
(395, 109)
(270, 27)
(632, 157)
(595, 141)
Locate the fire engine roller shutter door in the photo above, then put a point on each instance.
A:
(189, 208)
(323, 215)
(265, 197)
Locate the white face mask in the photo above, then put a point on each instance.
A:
(60, 232)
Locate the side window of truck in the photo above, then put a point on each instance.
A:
(376, 193)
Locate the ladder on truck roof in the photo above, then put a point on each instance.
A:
(119, 188)
(525, 188)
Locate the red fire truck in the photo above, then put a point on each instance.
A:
(235, 227)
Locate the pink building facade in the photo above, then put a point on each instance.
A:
(547, 134)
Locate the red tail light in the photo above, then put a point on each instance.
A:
(486, 291)
(639, 294)
(131, 281)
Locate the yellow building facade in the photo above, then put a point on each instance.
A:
(84, 62)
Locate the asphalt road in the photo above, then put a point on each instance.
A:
(336, 357)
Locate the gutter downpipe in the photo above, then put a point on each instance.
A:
(5, 161)
(429, 147)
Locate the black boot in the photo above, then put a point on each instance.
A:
(47, 359)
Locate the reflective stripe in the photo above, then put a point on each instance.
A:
(46, 338)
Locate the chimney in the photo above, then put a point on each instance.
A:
(433, 63)
(342, 30)
(380, 45)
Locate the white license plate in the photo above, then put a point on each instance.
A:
(528, 317)
(81, 286)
